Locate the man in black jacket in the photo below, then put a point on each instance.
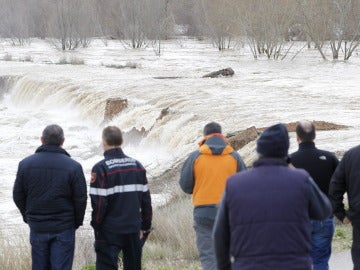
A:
(347, 179)
(50, 192)
(320, 165)
(121, 204)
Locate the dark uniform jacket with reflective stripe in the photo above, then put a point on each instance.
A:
(120, 196)
(50, 190)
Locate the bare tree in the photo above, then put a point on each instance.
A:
(217, 20)
(336, 22)
(14, 20)
(265, 24)
(344, 24)
(161, 26)
(71, 23)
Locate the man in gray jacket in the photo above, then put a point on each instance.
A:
(203, 175)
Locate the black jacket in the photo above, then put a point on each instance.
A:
(347, 179)
(50, 190)
(120, 196)
(318, 163)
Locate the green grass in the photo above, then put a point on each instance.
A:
(342, 238)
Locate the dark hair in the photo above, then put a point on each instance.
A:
(211, 128)
(112, 135)
(53, 135)
(305, 131)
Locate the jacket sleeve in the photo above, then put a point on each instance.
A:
(319, 206)
(79, 196)
(337, 189)
(241, 165)
(187, 180)
(98, 196)
(19, 194)
(221, 236)
(146, 208)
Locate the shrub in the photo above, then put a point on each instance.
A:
(131, 65)
(71, 61)
(7, 57)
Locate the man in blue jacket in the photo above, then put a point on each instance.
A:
(320, 165)
(121, 204)
(263, 221)
(50, 192)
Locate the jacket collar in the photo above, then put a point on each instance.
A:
(265, 161)
(215, 144)
(51, 149)
(307, 145)
(217, 135)
(114, 152)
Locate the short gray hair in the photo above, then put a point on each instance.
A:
(53, 135)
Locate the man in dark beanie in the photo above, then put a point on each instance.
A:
(264, 218)
(203, 175)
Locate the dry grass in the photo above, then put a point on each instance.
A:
(15, 250)
(70, 61)
(172, 243)
(342, 237)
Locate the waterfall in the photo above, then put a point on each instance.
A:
(28, 93)
(80, 110)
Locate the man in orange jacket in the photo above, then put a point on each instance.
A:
(204, 175)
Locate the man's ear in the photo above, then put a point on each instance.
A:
(42, 140)
(104, 144)
(62, 142)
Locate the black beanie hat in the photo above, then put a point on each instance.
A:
(274, 142)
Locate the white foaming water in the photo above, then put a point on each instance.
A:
(261, 93)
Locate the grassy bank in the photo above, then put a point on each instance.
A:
(342, 237)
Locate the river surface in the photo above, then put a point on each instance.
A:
(39, 92)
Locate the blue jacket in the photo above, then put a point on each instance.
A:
(120, 196)
(50, 190)
(264, 218)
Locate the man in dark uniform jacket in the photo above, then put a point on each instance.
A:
(121, 204)
(320, 165)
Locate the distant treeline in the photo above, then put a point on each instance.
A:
(267, 26)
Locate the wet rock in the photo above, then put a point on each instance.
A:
(134, 136)
(319, 125)
(113, 107)
(163, 113)
(227, 72)
(167, 77)
(241, 138)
